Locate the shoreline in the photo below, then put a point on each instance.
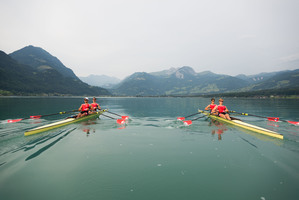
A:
(160, 96)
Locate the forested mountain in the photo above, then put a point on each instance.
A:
(185, 81)
(41, 60)
(41, 77)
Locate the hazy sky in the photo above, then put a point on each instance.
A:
(120, 37)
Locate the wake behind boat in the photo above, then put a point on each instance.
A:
(239, 123)
(62, 123)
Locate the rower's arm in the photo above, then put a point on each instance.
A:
(207, 108)
(214, 110)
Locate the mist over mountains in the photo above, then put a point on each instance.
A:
(100, 80)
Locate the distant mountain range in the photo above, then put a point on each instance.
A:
(185, 81)
(33, 71)
(100, 80)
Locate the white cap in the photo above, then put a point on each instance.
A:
(86, 98)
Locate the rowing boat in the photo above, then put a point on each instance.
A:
(239, 123)
(62, 123)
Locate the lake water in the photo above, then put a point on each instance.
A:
(153, 156)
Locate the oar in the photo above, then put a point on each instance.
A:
(182, 118)
(119, 121)
(123, 117)
(275, 119)
(38, 116)
(189, 122)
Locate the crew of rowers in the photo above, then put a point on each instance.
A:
(86, 108)
(218, 110)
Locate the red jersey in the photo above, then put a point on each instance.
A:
(221, 109)
(85, 107)
(94, 105)
(212, 106)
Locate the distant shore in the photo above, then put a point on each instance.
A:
(285, 93)
(161, 96)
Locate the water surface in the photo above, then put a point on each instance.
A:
(154, 156)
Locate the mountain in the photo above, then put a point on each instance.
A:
(180, 81)
(13, 75)
(139, 84)
(33, 71)
(17, 78)
(164, 73)
(257, 78)
(100, 80)
(41, 60)
(285, 79)
(185, 81)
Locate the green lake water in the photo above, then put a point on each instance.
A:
(153, 156)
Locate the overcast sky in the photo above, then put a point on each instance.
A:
(120, 37)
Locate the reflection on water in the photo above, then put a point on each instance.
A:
(220, 128)
(87, 131)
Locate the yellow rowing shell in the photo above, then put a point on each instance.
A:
(244, 125)
(61, 123)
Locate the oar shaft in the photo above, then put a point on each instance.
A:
(269, 118)
(119, 121)
(192, 114)
(60, 113)
(189, 122)
(38, 116)
(198, 118)
(113, 113)
(108, 116)
(246, 114)
(255, 115)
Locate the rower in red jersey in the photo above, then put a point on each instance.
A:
(212, 106)
(84, 108)
(222, 110)
(95, 105)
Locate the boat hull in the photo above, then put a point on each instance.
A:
(61, 123)
(244, 125)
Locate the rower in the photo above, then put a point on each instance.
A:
(84, 108)
(211, 107)
(94, 106)
(222, 110)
